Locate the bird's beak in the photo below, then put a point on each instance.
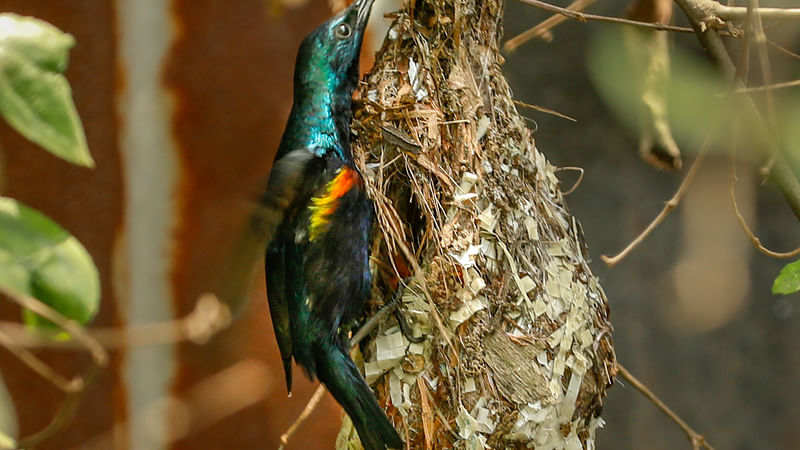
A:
(363, 8)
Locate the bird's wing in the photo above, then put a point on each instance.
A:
(285, 183)
(274, 262)
(261, 214)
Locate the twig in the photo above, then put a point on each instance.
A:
(766, 69)
(577, 182)
(99, 358)
(86, 341)
(742, 76)
(427, 415)
(783, 50)
(64, 414)
(709, 38)
(545, 110)
(767, 87)
(208, 318)
(753, 238)
(708, 9)
(207, 402)
(743, 64)
(40, 367)
(585, 17)
(671, 204)
(698, 440)
(310, 406)
(543, 29)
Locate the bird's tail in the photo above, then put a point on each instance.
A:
(338, 373)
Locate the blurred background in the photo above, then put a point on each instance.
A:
(693, 315)
(183, 103)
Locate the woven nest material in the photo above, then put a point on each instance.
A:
(518, 350)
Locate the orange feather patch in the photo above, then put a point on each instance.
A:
(322, 207)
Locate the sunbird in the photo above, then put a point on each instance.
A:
(317, 260)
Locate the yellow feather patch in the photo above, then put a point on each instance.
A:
(322, 207)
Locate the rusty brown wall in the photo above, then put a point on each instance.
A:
(227, 75)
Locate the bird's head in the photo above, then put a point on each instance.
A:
(329, 55)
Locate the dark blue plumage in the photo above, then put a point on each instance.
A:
(319, 215)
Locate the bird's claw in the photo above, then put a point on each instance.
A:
(405, 328)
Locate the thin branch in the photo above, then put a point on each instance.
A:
(310, 406)
(712, 8)
(670, 205)
(544, 28)
(743, 64)
(99, 358)
(545, 110)
(209, 317)
(767, 87)
(577, 182)
(763, 56)
(214, 398)
(753, 238)
(77, 332)
(783, 49)
(698, 440)
(427, 414)
(39, 366)
(64, 414)
(585, 17)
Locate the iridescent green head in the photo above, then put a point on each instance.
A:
(328, 57)
(325, 75)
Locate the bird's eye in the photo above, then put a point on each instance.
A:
(343, 31)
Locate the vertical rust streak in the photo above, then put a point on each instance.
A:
(118, 270)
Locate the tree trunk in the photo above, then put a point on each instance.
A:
(518, 350)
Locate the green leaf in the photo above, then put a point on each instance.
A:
(40, 259)
(35, 98)
(788, 281)
(692, 88)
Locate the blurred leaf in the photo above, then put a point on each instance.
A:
(788, 280)
(35, 98)
(40, 259)
(692, 91)
(8, 418)
(650, 50)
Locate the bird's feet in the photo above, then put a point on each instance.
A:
(392, 306)
(394, 303)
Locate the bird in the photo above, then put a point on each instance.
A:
(319, 217)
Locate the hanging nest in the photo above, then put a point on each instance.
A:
(472, 225)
